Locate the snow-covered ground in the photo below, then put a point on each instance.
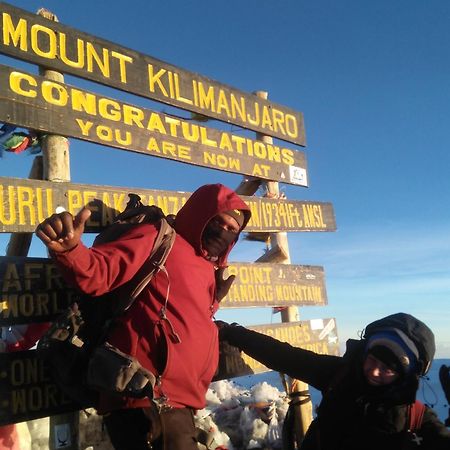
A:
(241, 418)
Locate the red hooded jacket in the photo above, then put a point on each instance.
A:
(182, 349)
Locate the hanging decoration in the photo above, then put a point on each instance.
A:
(15, 141)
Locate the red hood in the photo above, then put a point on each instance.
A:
(206, 202)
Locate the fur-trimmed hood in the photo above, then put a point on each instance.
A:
(206, 202)
(416, 330)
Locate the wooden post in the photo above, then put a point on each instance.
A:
(279, 252)
(248, 186)
(56, 167)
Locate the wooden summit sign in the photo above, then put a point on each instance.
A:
(263, 284)
(37, 103)
(24, 203)
(50, 44)
(32, 289)
(27, 391)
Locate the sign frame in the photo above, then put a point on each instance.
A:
(37, 103)
(50, 44)
(24, 203)
(32, 289)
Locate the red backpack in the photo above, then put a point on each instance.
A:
(415, 412)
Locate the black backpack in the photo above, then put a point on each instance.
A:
(78, 336)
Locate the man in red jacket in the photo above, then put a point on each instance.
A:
(170, 328)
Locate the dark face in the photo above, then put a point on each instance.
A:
(219, 233)
(377, 373)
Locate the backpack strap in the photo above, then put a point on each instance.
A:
(154, 263)
(161, 249)
(134, 214)
(415, 414)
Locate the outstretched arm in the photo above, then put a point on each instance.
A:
(312, 368)
(102, 268)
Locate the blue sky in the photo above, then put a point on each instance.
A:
(373, 82)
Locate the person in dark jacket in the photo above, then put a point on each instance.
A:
(368, 393)
(444, 377)
(169, 329)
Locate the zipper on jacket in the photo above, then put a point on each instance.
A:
(161, 402)
(162, 313)
(173, 334)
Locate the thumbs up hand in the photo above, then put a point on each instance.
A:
(62, 232)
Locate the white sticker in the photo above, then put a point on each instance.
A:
(328, 329)
(316, 324)
(60, 209)
(62, 436)
(298, 175)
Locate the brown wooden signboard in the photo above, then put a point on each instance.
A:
(318, 335)
(262, 284)
(49, 44)
(27, 391)
(25, 203)
(34, 102)
(32, 289)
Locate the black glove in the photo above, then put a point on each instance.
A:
(444, 377)
(222, 285)
(227, 331)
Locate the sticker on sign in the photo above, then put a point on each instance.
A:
(62, 436)
(316, 324)
(297, 175)
(327, 330)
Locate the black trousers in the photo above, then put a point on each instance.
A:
(131, 429)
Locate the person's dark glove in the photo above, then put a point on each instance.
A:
(222, 284)
(227, 331)
(444, 377)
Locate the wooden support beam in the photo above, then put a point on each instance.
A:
(280, 247)
(56, 167)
